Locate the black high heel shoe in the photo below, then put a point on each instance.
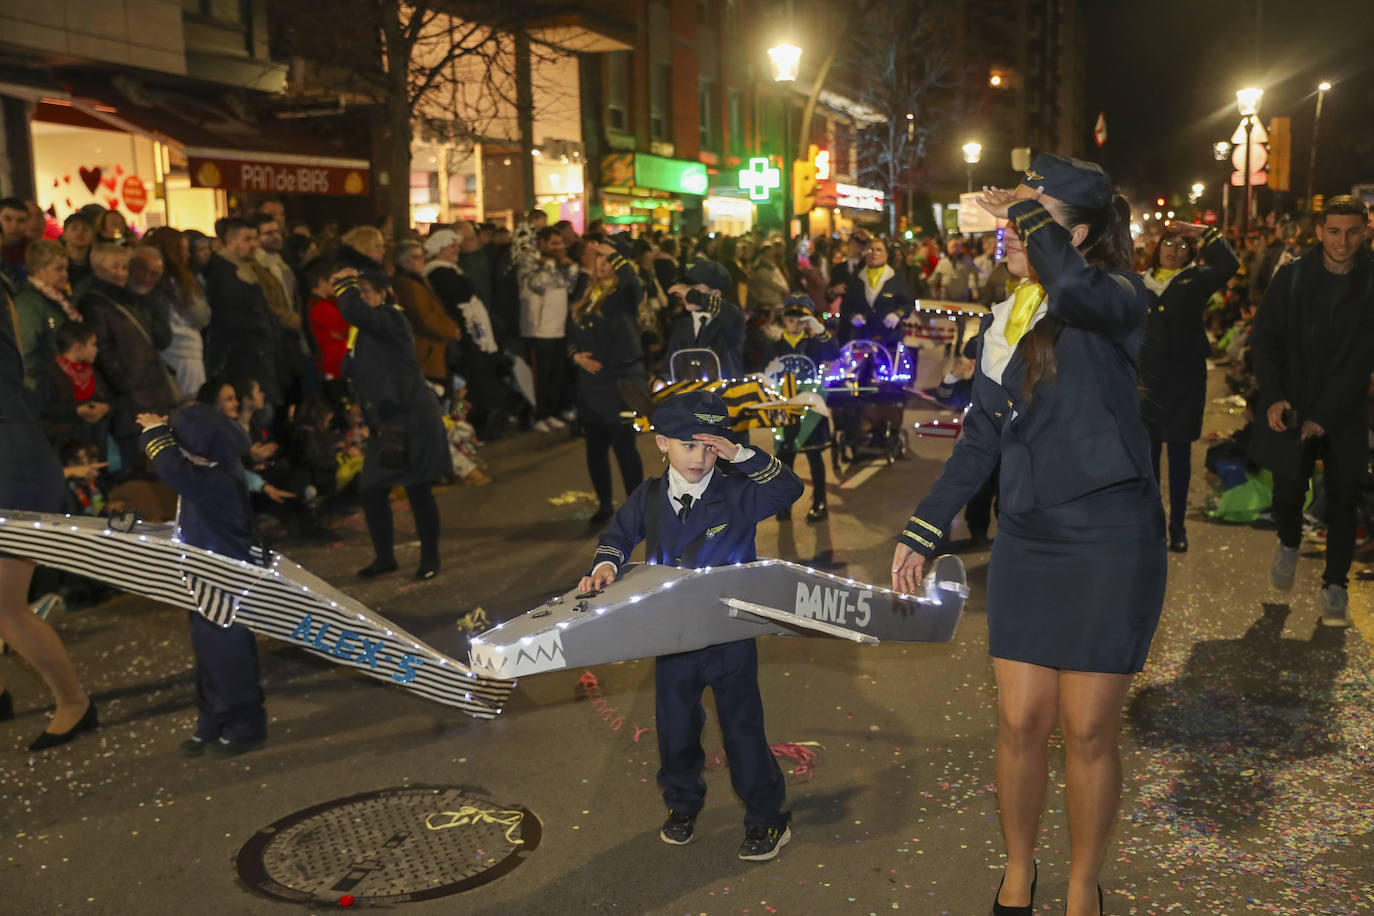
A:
(89, 721)
(1101, 911)
(377, 568)
(6, 706)
(1001, 909)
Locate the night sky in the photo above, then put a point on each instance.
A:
(1166, 73)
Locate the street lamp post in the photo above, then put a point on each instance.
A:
(972, 152)
(1247, 100)
(785, 61)
(1221, 151)
(1322, 88)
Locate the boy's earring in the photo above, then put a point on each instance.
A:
(664, 456)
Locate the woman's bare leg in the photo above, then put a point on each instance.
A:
(38, 644)
(1027, 707)
(1090, 719)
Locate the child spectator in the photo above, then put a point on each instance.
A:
(74, 403)
(329, 328)
(463, 441)
(81, 468)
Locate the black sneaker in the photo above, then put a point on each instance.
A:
(677, 829)
(762, 843)
(193, 747)
(818, 513)
(226, 748)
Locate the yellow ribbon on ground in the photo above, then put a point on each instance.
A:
(1025, 304)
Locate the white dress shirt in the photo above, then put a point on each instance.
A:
(996, 351)
(678, 485)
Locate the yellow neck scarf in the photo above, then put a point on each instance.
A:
(874, 275)
(793, 341)
(1163, 275)
(1026, 303)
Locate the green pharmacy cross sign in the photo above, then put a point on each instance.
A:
(759, 179)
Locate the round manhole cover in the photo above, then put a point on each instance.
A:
(390, 846)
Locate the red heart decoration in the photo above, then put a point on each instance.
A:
(112, 203)
(90, 177)
(108, 182)
(67, 179)
(119, 169)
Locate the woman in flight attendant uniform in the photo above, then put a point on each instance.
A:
(1076, 578)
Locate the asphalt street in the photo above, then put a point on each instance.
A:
(1249, 741)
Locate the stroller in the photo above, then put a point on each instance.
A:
(866, 392)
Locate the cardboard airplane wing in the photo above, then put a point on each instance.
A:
(278, 599)
(658, 610)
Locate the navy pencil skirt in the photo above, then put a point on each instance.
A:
(1080, 586)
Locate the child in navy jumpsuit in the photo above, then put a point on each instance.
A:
(694, 516)
(200, 456)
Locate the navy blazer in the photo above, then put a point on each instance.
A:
(215, 512)
(725, 516)
(1083, 431)
(722, 335)
(1173, 329)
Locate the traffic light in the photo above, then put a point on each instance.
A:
(1280, 153)
(1159, 201)
(803, 187)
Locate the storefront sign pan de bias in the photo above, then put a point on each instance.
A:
(277, 174)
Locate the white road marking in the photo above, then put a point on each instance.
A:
(868, 471)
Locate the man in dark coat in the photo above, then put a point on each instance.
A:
(1313, 355)
(128, 362)
(710, 322)
(241, 342)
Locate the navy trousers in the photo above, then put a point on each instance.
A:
(228, 688)
(731, 671)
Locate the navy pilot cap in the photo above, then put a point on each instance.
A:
(205, 432)
(684, 415)
(1073, 181)
(798, 304)
(708, 273)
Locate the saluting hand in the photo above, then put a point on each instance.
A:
(998, 200)
(718, 444)
(1187, 230)
(907, 566)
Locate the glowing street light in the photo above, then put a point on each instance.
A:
(1322, 88)
(1198, 188)
(972, 153)
(785, 60)
(1221, 150)
(1247, 100)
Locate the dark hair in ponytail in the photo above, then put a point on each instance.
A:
(1107, 246)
